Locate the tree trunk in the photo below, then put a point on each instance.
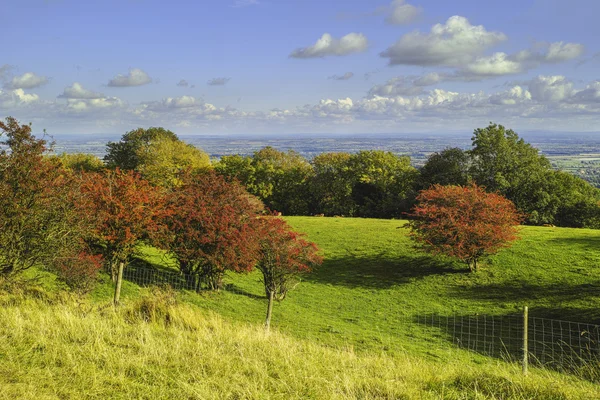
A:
(118, 286)
(269, 311)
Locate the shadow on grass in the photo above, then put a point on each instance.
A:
(231, 287)
(553, 344)
(380, 271)
(588, 243)
(524, 291)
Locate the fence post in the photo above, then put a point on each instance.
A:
(118, 286)
(525, 348)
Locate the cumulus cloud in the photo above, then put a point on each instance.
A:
(400, 86)
(501, 63)
(345, 77)
(551, 88)
(591, 94)
(428, 79)
(452, 44)
(16, 98)
(330, 46)
(171, 103)
(77, 91)
(87, 105)
(402, 13)
(218, 81)
(135, 77)
(183, 83)
(513, 96)
(28, 80)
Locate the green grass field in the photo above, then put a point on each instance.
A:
(361, 304)
(374, 283)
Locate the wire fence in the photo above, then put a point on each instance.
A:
(550, 343)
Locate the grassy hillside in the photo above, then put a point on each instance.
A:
(374, 284)
(155, 349)
(350, 329)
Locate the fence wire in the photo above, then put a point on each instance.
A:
(552, 343)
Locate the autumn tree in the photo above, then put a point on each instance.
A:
(211, 222)
(463, 222)
(37, 217)
(284, 255)
(80, 162)
(127, 209)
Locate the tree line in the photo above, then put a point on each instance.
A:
(371, 183)
(75, 216)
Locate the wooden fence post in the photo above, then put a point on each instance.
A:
(118, 286)
(525, 344)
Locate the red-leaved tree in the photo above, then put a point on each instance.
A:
(211, 223)
(463, 222)
(126, 209)
(284, 255)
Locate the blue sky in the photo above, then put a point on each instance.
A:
(300, 66)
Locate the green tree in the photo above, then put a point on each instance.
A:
(447, 167)
(383, 183)
(157, 154)
(80, 162)
(504, 163)
(331, 185)
(278, 178)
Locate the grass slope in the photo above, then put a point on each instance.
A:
(374, 284)
(155, 349)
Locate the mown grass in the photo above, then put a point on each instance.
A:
(153, 348)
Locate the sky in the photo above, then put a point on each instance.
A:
(300, 66)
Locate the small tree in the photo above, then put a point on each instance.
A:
(127, 209)
(463, 222)
(284, 255)
(211, 224)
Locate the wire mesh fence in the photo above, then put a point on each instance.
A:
(551, 343)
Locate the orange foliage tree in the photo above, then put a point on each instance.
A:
(284, 255)
(211, 222)
(126, 209)
(466, 223)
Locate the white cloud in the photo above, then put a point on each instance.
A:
(330, 46)
(494, 65)
(402, 13)
(428, 79)
(135, 77)
(550, 88)
(345, 77)
(452, 44)
(513, 96)
(77, 91)
(218, 81)
(28, 80)
(183, 83)
(16, 98)
(591, 94)
(400, 86)
(171, 103)
(5, 70)
(560, 51)
(88, 105)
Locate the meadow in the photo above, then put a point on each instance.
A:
(346, 331)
